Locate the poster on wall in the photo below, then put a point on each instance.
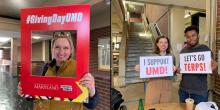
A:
(156, 66)
(73, 18)
(195, 63)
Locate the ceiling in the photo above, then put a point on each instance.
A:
(183, 3)
(11, 9)
(136, 6)
(116, 18)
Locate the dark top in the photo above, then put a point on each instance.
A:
(194, 83)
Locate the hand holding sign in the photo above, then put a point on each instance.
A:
(197, 62)
(156, 66)
(214, 66)
(174, 68)
(88, 81)
(137, 68)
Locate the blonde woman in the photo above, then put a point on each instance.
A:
(63, 65)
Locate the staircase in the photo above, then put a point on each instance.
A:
(137, 46)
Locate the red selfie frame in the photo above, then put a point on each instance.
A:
(82, 27)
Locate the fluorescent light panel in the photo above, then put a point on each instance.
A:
(36, 37)
(4, 39)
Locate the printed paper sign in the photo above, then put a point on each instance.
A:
(75, 17)
(156, 66)
(196, 62)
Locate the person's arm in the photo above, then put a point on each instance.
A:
(93, 101)
(174, 65)
(88, 81)
(137, 67)
(214, 66)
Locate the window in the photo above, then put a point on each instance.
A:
(104, 54)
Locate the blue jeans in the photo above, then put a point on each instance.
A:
(197, 98)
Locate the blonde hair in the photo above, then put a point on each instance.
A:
(67, 35)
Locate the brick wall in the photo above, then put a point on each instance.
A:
(216, 96)
(218, 28)
(102, 78)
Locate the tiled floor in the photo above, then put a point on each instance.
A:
(9, 100)
(131, 95)
(133, 92)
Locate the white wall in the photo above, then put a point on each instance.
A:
(177, 26)
(154, 17)
(37, 51)
(199, 4)
(45, 50)
(203, 38)
(9, 24)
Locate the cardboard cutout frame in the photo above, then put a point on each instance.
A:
(75, 17)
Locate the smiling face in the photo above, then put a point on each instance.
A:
(162, 44)
(192, 38)
(61, 50)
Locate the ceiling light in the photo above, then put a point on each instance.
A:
(142, 34)
(187, 15)
(6, 47)
(19, 3)
(127, 16)
(4, 39)
(117, 45)
(36, 37)
(146, 34)
(107, 2)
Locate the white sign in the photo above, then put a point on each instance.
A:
(156, 66)
(196, 62)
